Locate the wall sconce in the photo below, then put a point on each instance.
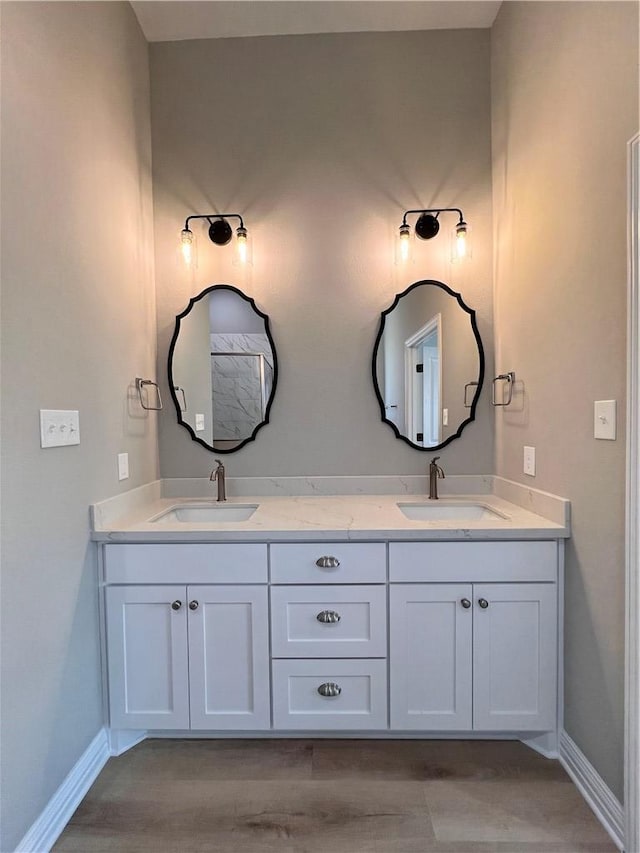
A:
(427, 226)
(220, 233)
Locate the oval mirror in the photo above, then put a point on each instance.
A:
(222, 368)
(428, 365)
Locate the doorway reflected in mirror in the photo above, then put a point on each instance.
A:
(427, 355)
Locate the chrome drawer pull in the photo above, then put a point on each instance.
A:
(465, 603)
(176, 605)
(193, 605)
(483, 603)
(327, 562)
(330, 689)
(329, 617)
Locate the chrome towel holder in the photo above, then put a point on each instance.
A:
(507, 395)
(183, 405)
(140, 384)
(466, 396)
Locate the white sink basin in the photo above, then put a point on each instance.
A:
(448, 511)
(206, 513)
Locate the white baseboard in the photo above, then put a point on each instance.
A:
(58, 812)
(593, 788)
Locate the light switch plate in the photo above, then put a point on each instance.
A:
(604, 419)
(123, 466)
(59, 427)
(199, 423)
(529, 466)
(445, 417)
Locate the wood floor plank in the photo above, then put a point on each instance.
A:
(504, 812)
(432, 760)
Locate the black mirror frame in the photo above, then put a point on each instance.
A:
(172, 346)
(476, 396)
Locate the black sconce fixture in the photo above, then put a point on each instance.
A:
(428, 225)
(220, 233)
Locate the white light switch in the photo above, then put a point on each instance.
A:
(123, 466)
(604, 419)
(59, 428)
(445, 417)
(199, 423)
(530, 461)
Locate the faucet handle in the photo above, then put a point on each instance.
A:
(214, 473)
(433, 466)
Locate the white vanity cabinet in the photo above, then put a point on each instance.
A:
(474, 655)
(412, 637)
(190, 656)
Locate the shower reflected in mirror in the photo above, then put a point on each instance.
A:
(222, 368)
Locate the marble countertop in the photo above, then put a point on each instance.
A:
(328, 517)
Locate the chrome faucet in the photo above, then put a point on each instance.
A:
(217, 475)
(435, 473)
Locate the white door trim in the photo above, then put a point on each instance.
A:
(412, 418)
(632, 616)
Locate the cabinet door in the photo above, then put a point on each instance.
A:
(229, 657)
(147, 652)
(515, 657)
(430, 663)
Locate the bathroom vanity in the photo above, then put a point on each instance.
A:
(334, 614)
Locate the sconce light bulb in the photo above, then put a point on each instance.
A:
(241, 233)
(186, 245)
(405, 242)
(461, 249)
(461, 243)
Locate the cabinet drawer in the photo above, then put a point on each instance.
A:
(329, 562)
(166, 563)
(360, 704)
(328, 621)
(448, 562)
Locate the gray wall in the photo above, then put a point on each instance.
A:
(565, 102)
(78, 326)
(321, 142)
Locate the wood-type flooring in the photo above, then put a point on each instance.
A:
(333, 796)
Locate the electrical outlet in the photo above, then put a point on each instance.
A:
(199, 423)
(530, 461)
(59, 427)
(123, 466)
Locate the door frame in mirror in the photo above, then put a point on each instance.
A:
(481, 365)
(265, 317)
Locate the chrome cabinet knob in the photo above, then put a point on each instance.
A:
(176, 605)
(465, 603)
(328, 617)
(327, 562)
(330, 689)
(193, 605)
(483, 603)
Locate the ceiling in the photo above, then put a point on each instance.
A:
(164, 20)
